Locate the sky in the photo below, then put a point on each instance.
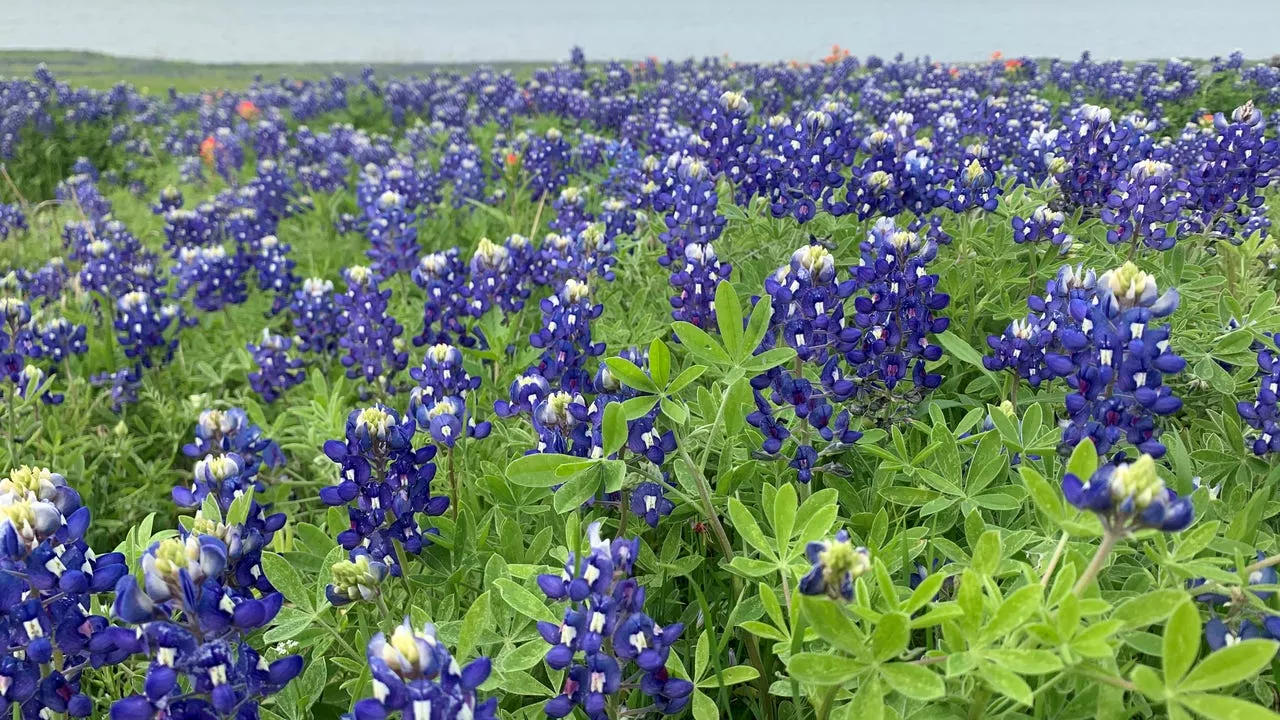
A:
(262, 31)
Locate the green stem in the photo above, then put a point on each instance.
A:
(1109, 539)
(828, 699)
(978, 708)
(1053, 561)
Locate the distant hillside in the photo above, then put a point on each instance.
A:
(102, 71)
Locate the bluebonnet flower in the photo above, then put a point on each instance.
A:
(571, 214)
(1219, 635)
(384, 482)
(688, 200)
(729, 137)
(392, 236)
(1142, 206)
(498, 277)
(60, 339)
(47, 578)
(546, 161)
(1022, 349)
(565, 337)
(124, 383)
(1265, 576)
(442, 276)
(1115, 364)
(314, 312)
(439, 402)
(1233, 167)
(1129, 496)
(1262, 414)
(356, 579)
(170, 199)
(193, 627)
(277, 369)
(369, 332)
(525, 393)
(275, 271)
(414, 674)
(213, 277)
(191, 228)
(146, 329)
(605, 630)
(230, 431)
(12, 220)
(836, 564)
(649, 502)
(1089, 157)
(1045, 224)
(974, 187)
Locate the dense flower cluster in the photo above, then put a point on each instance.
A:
(370, 335)
(605, 631)
(384, 483)
(1129, 496)
(47, 576)
(414, 674)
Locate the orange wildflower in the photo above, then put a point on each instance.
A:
(246, 109)
(207, 147)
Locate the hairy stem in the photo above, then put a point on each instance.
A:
(1109, 540)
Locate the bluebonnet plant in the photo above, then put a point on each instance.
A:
(836, 564)
(192, 626)
(278, 370)
(1262, 413)
(605, 630)
(384, 483)
(414, 674)
(314, 311)
(370, 334)
(47, 576)
(1129, 496)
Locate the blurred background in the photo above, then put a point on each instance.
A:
(454, 31)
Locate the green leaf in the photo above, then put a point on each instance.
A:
(580, 487)
(772, 608)
(891, 636)
(914, 681)
(1026, 662)
(823, 669)
(1148, 682)
(751, 567)
(1181, 642)
(538, 470)
(1016, 609)
(925, 591)
(285, 578)
(209, 509)
(614, 428)
(288, 623)
(1225, 707)
(1007, 683)
(1230, 665)
(868, 703)
(745, 523)
(630, 375)
(523, 601)
(764, 630)
(637, 407)
(704, 708)
(1150, 608)
(960, 349)
(523, 657)
(784, 517)
(769, 359)
(758, 324)
(238, 513)
(729, 319)
(674, 410)
(701, 655)
(475, 621)
(731, 676)
(700, 344)
(1046, 498)
(1084, 460)
(986, 555)
(659, 362)
(685, 377)
(828, 619)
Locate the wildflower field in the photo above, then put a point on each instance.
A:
(858, 389)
